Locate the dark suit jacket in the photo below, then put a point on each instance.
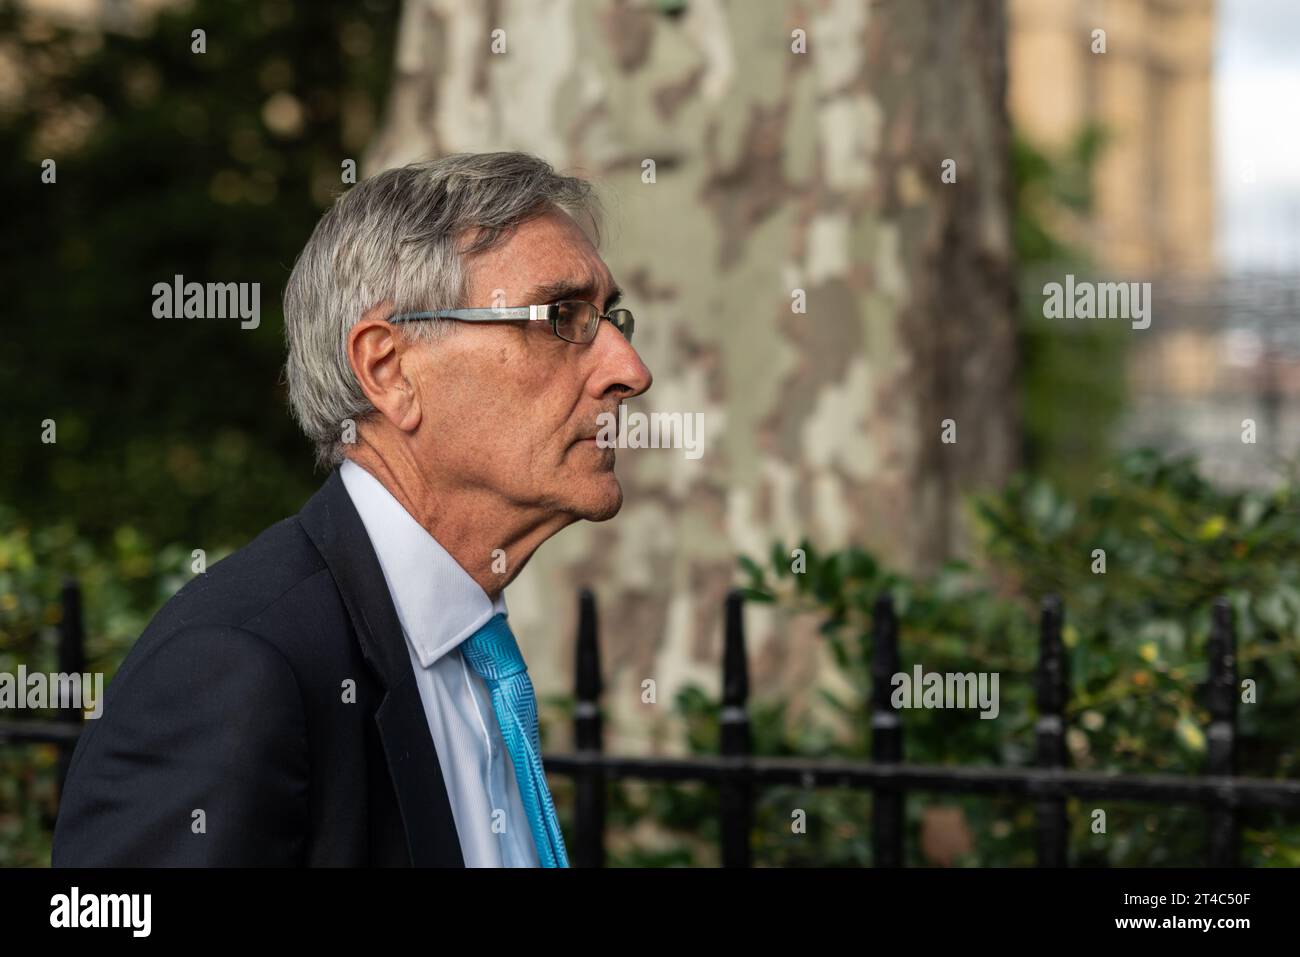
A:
(235, 702)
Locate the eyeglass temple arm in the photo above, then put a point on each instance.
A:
(481, 314)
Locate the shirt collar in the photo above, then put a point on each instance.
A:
(438, 604)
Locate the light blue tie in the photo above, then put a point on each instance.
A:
(493, 653)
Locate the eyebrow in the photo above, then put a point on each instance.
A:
(568, 289)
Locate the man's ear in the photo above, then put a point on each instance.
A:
(383, 363)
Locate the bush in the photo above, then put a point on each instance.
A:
(1136, 643)
(122, 586)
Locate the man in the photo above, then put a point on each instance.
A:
(345, 690)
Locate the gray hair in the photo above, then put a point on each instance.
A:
(396, 238)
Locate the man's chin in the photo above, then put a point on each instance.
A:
(600, 504)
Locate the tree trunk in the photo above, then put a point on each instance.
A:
(781, 179)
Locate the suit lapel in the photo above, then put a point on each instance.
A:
(331, 521)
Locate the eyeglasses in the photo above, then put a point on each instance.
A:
(573, 320)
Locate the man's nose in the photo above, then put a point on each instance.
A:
(618, 364)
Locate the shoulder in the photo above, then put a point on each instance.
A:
(273, 600)
(247, 582)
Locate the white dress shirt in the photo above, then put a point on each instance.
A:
(439, 605)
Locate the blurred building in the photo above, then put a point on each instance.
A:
(1151, 92)
(1219, 378)
(1219, 355)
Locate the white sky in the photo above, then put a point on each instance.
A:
(1257, 133)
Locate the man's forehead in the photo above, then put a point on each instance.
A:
(546, 264)
(557, 249)
(602, 291)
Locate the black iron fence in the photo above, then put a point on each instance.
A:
(72, 661)
(738, 774)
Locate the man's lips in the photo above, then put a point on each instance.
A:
(595, 435)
